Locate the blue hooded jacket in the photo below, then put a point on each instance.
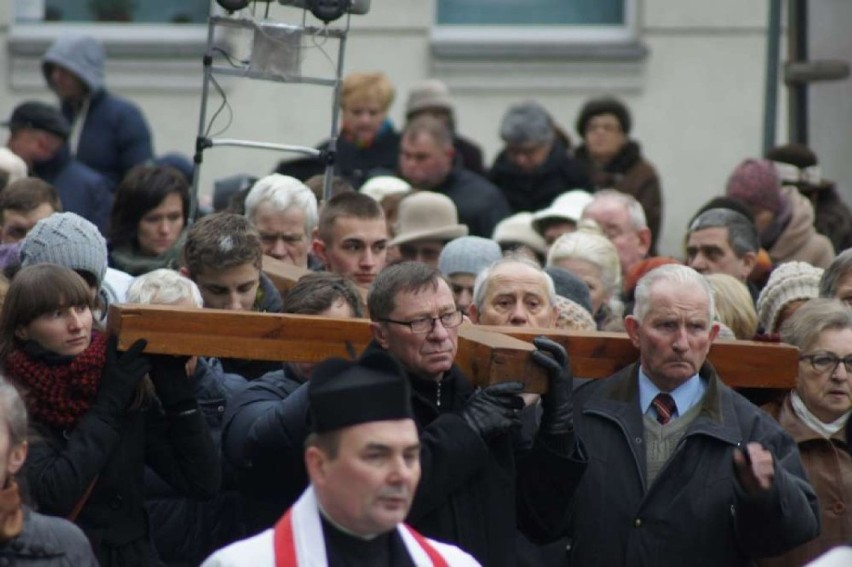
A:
(115, 136)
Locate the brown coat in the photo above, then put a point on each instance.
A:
(799, 240)
(829, 467)
(629, 172)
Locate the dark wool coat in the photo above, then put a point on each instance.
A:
(695, 512)
(185, 530)
(630, 173)
(354, 163)
(113, 451)
(833, 217)
(263, 435)
(471, 494)
(537, 190)
(480, 204)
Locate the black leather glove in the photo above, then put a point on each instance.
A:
(174, 388)
(122, 374)
(558, 403)
(494, 410)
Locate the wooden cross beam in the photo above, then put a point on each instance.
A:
(485, 354)
(284, 276)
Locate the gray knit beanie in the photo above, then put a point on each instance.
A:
(69, 240)
(468, 255)
(570, 287)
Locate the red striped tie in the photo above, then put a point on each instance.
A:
(665, 406)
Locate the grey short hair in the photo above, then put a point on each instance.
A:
(527, 121)
(163, 287)
(742, 234)
(480, 285)
(283, 192)
(672, 273)
(836, 271)
(594, 248)
(15, 411)
(814, 317)
(405, 277)
(638, 219)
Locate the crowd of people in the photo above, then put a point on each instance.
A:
(125, 458)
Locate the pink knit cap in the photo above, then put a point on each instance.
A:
(755, 182)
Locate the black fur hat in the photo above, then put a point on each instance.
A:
(604, 105)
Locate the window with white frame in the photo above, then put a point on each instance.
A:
(533, 27)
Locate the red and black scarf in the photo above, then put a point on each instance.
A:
(59, 394)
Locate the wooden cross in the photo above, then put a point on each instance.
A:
(486, 355)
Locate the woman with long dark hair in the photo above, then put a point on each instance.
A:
(149, 218)
(100, 420)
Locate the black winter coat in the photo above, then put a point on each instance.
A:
(112, 452)
(695, 512)
(263, 436)
(476, 494)
(185, 530)
(480, 204)
(354, 163)
(45, 541)
(537, 190)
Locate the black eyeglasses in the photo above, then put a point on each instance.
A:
(827, 362)
(426, 324)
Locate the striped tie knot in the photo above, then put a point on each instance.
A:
(665, 406)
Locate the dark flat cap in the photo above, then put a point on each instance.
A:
(343, 393)
(41, 116)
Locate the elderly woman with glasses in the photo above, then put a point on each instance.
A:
(815, 413)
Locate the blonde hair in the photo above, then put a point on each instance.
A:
(734, 306)
(374, 87)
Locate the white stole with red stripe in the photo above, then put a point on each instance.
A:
(309, 544)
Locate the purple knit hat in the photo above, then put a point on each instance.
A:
(755, 182)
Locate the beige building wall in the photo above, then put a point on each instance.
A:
(696, 97)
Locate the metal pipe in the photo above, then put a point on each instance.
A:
(770, 97)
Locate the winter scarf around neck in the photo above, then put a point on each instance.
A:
(812, 421)
(60, 390)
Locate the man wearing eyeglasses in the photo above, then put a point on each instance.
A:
(481, 480)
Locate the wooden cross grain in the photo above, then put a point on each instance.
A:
(486, 355)
(284, 276)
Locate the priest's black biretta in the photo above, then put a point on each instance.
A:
(344, 393)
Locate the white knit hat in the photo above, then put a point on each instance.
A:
(788, 282)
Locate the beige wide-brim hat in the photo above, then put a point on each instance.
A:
(427, 215)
